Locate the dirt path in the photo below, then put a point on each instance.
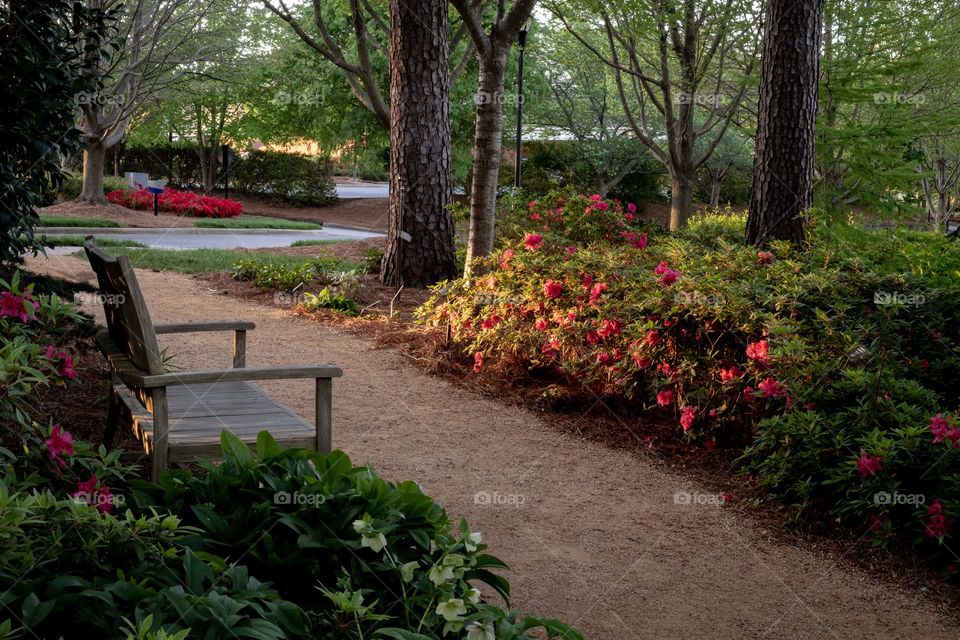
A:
(594, 536)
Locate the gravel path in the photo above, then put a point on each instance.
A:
(594, 536)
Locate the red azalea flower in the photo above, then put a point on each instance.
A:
(771, 388)
(869, 465)
(532, 241)
(652, 338)
(665, 398)
(726, 496)
(540, 324)
(551, 348)
(552, 289)
(640, 361)
(759, 351)
(764, 257)
(687, 416)
(609, 328)
(596, 292)
(727, 374)
(571, 250)
(491, 321)
(592, 337)
(477, 361)
(604, 358)
(534, 216)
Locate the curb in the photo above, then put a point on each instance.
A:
(111, 231)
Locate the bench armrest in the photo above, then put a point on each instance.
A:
(238, 327)
(216, 325)
(234, 375)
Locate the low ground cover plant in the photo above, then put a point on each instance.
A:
(270, 544)
(184, 202)
(830, 367)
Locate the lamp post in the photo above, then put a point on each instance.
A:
(522, 44)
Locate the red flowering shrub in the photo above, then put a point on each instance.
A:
(803, 358)
(185, 202)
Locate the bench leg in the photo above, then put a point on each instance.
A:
(160, 436)
(113, 417)
(324, 415)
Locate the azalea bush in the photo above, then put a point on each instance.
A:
(183, 202)
(830, 366)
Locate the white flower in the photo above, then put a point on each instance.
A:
(452, 609)
(406, 570)
(472, 540)
(477, 631)
(473, 595)
(440, 575)
(376, 541)
(360, 526)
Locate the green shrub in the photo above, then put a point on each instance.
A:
(817, 361)
(272, 276)
(295, 178)
(327, 300)
(177, 163)
(73, 185)
(371, 260)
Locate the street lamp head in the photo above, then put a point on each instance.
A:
(522, 37)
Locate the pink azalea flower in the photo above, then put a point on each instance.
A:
(477, 361)
(596, 197)
(640, 361)
(665, 398)
(86, 488)
(652, 338)
(687, 416)
(939, 523)
(552, 289)
(540, 324)
(66, 369)
(609, 328)
(596, 292)
(869, 465)
(60, 443)
(592, 337)
(759, 351)
(104, 499)
(532, 241)
(728, 374)
(632, 208)
(641, 243)
(571, 250)
(771, 388)
(604, 358)
(764, 257)
(13, 306)
(534, 216)
(602, 206)
(551, 348)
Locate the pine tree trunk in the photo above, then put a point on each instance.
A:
(94, 157)
(421, 185)
(488, 144)
(787, 109)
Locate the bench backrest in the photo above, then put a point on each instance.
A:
(128, 320)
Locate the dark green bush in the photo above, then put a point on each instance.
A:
(73, 184)
(295, 178)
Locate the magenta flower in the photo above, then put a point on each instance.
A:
(759, 351)
(59, 444)
(687, 416)
(665, 398)
(771, 388)
(532, 241)
(869, 465)
(552, 289)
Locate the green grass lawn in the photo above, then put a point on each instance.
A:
(77, 241)
(205, 260)
(315, 243)
(256, 222)
(71, 221)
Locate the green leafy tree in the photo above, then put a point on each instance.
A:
(47, 59)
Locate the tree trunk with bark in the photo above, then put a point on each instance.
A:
(488, 143)
(94, 157)
(787, 111)
(420, 249)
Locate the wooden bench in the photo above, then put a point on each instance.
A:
(178, 416)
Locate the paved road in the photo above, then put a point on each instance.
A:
(363, 190)
(191, 239)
